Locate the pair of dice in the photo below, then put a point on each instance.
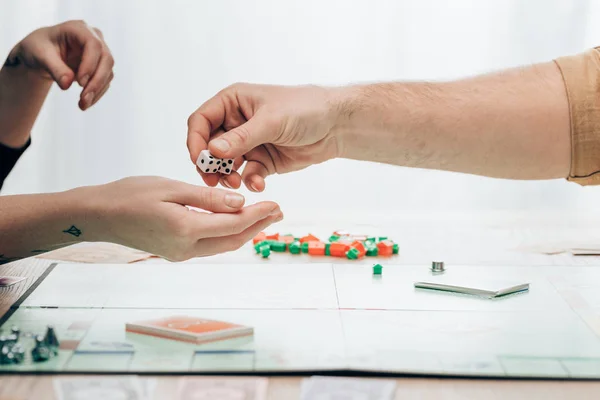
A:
(211, 165)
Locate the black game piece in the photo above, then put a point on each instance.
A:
(50, 340)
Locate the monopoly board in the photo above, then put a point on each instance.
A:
(314, 318)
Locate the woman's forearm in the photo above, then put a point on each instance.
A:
(22, 94)
(33, 224)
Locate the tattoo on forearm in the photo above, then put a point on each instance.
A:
(73, 230)
(16, 61)
(6, 260)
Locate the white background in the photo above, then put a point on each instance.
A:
(173, 55)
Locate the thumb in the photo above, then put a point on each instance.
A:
(239, 141)
(53, 63)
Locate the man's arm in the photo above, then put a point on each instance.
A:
(513, 124)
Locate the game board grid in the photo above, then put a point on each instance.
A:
(263, 360)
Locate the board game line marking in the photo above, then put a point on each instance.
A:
(337, 296)
(16, 305)
(86, 352)
(575, 310)
(225, 351)
(182, 309)
(564, 367)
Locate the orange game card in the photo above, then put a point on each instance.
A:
(189, 329)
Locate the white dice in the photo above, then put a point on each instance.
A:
(226, 166)
(211, 165)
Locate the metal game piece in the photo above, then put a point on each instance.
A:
(437, 266)
(19, 353)
(6, 356)
(40, 352)
(16, 331)
(12, 339)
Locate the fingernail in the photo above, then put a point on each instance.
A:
(274, 212)
(84, 80)
(234, 200)
(253, 187)
(63, 81)
(226, 184)
(279, 218)
(220, 145)
(87, 99)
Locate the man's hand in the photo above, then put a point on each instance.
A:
(510, 124)
(65, 53)
(274, 129)
(151, 214)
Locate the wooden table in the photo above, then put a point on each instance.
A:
(40, 387)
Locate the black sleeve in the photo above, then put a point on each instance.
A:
(8, 159)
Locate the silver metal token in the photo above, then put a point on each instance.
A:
(437, 266)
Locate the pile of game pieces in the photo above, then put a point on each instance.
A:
(339, 244)
(11, 351)
(211, 165)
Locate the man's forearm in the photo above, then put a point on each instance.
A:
(33, 224)
(514, 124)
(22, 94)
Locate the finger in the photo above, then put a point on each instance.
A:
(210, 179)
(83, 107)
(232, 181)
(254, 175)
(102, 92)
(227, 224)
(200, 127)
(99, 79)
(210, 246)
(209, 199)
(51, 60)
(99, 96)
(99, 33)
(92, 46)
(240, 140)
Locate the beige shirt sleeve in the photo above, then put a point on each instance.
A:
(581, 74)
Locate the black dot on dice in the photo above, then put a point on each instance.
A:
(230, 162)
(211, 157)
(218, 162)
(201, 161)
(227, 170)
(215, 170)
(210, 162)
